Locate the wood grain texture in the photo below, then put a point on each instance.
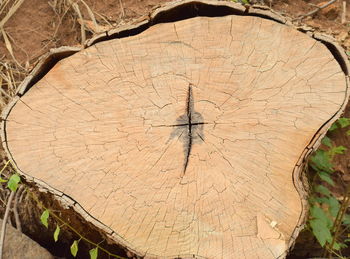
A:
(44, 63)
(106, 127)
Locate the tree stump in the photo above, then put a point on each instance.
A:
(188, 138)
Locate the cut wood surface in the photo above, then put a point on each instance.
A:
(183, 139)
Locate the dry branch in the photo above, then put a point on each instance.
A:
(82, 26)
(4, 222)
(121, 8)
(343, 14)
(15, 208)
(315, 10)
(10, 12)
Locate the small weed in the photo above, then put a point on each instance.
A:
(329, 220)
(48, 216)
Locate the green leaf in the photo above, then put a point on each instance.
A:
(342, 245)
(3, 180)
(334, 206)
(346, 219)
(336, 246)
(321, 161)
(333, 127)
(339, 150)
(93, 253)
(326, 177)
(312, 199)
(323, 190)
(44, 217)
(348, 132)
(327, 141)
(335, 150)
(322, 200)
(344, 122)
(321, 231)
(74, 248)
(241, 1)
(56, 233)
(319, 214)
(12, 184)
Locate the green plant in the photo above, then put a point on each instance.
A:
(241, 1)
(328, 217)
(13, 183)
(340, 123)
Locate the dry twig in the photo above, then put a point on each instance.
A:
(15, 208)
(82, 27)
(343, 14)
(122, 8)
(315, 10)
(91, 14)
(3, 228)
(10, 12)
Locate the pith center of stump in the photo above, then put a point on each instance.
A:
(188, 127)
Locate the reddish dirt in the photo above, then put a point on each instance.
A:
(37, 26)
(327, 20)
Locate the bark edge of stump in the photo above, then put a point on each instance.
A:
(170, 12)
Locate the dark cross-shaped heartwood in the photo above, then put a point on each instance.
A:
(193, 121)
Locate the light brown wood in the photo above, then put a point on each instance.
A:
(106, 127)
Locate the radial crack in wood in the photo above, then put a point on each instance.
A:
(184, 139)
